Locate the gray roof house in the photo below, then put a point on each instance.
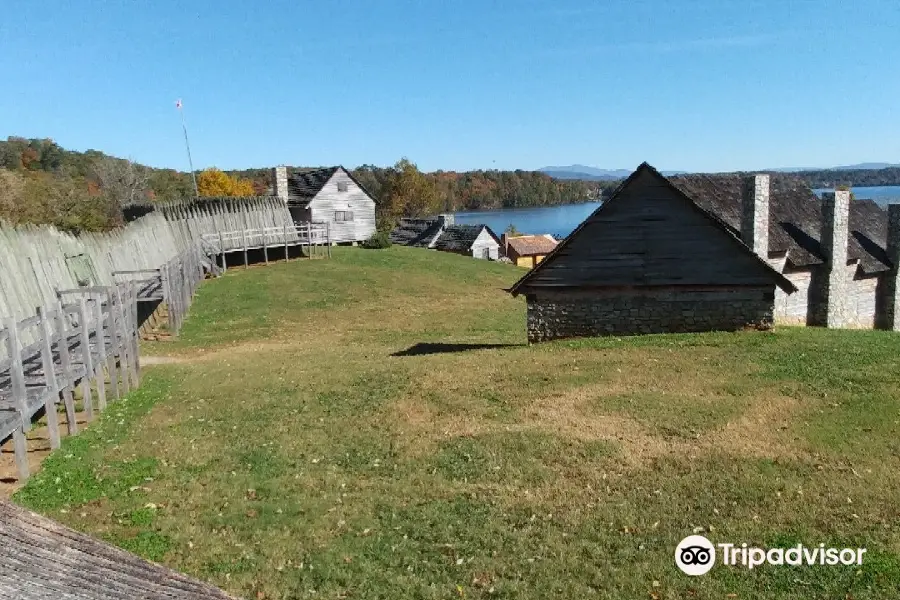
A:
(718, 252)
(328, 195)
(440, 233)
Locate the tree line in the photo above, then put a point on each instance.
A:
(41, 182)
(850, 177)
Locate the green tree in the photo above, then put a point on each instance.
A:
(406, 192)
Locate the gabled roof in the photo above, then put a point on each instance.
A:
(459, 238)
(739, 245)
(415, 232)
(305, 184)
(531, 245)
(795, 218)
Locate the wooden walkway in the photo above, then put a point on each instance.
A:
(43, 560)
(273, 241)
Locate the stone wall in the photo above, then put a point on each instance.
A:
(554, 315)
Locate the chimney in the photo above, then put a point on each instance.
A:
(504, 243)
(891, 282)
(280, 178)
(835, 229)
(446, 218)
(755, 217)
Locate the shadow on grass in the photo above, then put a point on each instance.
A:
(423, 348)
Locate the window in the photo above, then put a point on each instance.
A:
(342, 216)
(342, 186)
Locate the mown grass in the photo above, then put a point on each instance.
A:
(374, 426)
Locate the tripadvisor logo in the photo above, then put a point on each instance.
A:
(696, 555)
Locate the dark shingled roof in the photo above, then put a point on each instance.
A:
(304, 185)
(415, 232)
(459, 238)
(795, 218)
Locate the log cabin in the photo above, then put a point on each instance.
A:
(329, 195)
(718, 252)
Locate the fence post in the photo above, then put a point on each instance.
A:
(110, 349)
(52, 390)
(65, 361)
(286, 258)
(222, 250)
(309, 246)
(101, 353)
(328, 237)
(122, 336)
(244, 242)
(167, 295)
(86, 358)
(265, 245)
(19, 396)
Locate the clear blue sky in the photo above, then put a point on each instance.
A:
(459, 84)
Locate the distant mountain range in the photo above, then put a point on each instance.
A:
(587, 173)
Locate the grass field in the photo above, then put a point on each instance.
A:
(374, 426)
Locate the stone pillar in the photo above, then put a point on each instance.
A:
(755, 217)
(835, 230)
(280, 178)
(891, 282)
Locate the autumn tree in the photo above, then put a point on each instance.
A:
(124, 182)
(213, 182)
(406, 192)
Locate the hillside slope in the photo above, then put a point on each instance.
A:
(373, 426)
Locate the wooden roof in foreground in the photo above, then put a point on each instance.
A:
(43, 560)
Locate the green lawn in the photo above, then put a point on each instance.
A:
(304, 446)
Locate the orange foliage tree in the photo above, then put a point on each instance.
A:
(213, 182)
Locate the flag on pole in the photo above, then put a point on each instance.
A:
(178, 103)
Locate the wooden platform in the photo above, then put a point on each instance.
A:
(43, 560)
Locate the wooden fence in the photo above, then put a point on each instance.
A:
(83, 335)
(314, 236)
(89, 335)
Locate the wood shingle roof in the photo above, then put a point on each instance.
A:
(795, 218)
(532, 245)
(459, 238)
(415, 232)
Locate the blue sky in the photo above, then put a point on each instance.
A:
(703, 85)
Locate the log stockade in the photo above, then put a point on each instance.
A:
(72, 306)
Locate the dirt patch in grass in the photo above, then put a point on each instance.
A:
(755, 434)
(38, 449)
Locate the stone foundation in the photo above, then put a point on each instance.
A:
(553, 315)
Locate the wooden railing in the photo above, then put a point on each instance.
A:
(48, 356)
(276, 239)
(89, 335)
(175, 283)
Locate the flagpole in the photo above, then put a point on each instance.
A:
(188, 146)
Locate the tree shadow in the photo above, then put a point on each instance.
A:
(423, 348)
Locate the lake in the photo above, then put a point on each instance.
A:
(562, 219)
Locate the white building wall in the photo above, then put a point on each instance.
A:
(331, 200)
(485, 242)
